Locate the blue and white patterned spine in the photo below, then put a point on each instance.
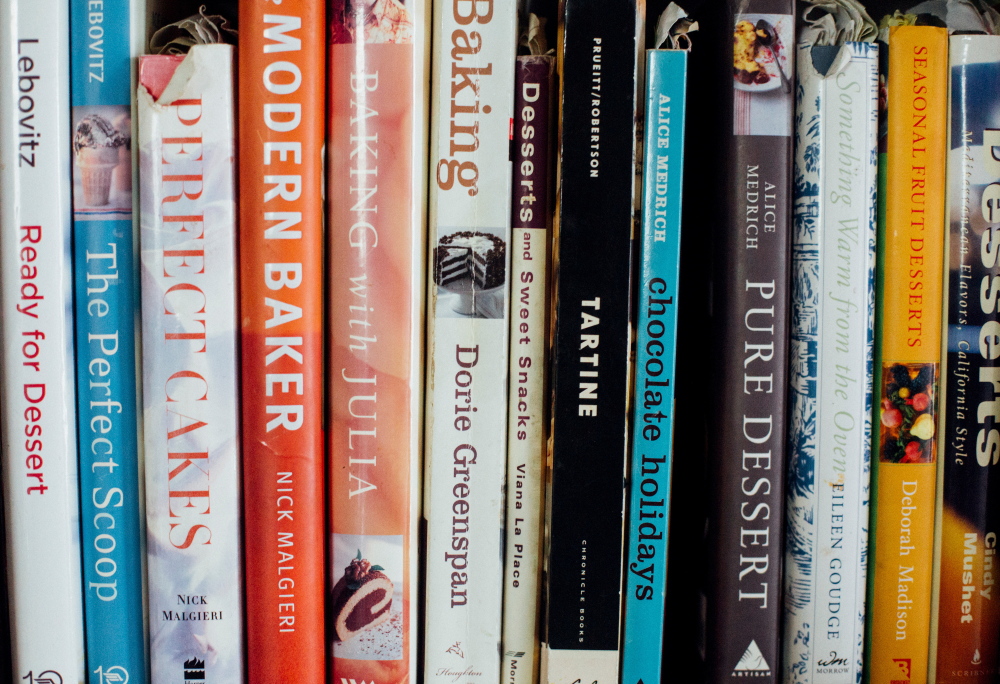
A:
(833, 299)
(103, 43)
(653, 401)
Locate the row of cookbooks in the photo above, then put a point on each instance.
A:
(409, 408)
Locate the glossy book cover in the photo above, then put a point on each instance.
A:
(967, 611)
(281, 121)
(103, 46)
(376, 236)
(190, 378)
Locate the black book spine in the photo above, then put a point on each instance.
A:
(747, 435)
(591, 348)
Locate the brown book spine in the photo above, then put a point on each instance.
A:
(750, 329)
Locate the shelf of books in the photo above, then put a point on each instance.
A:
(499, 342)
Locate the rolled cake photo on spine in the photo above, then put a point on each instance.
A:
(470, 270)
(365, 620)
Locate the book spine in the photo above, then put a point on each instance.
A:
(832, 298)
(907, 367)
(466, 421)
(281, 129)
(531, 217)
(376, 251)
(37, 392)
(968, 620)
(106, 283)
(653, 397)
(750, 326)
(591, 346)
(190, 382)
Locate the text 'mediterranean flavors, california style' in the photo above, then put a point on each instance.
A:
(966, 612)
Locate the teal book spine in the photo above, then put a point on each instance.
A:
(653, 402)
(102, 51)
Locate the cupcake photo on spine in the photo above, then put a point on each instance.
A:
(366, 600)
(470, 270)
(102, 160)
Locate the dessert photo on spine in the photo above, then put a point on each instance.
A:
(370, 21)
(102, 160)
(365, 620)
(470, 270)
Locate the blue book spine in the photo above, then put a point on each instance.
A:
(105, 282)
(649, 495)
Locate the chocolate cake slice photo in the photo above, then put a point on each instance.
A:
(361, 599)
(470, 260)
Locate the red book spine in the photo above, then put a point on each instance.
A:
(281, 96)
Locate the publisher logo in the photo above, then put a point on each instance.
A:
(976, 658)
(113, 675)
(47, 677)
(904, 669)
(194, 670)
(752, 664)
(456, 648)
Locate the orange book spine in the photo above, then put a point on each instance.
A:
(376, 224)
(281, 96)
(907, 375)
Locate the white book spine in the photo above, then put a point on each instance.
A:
(468, 304)
(37, 390)
(190, 387)
(833, 299)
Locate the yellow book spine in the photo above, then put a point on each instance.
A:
(907, 377)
